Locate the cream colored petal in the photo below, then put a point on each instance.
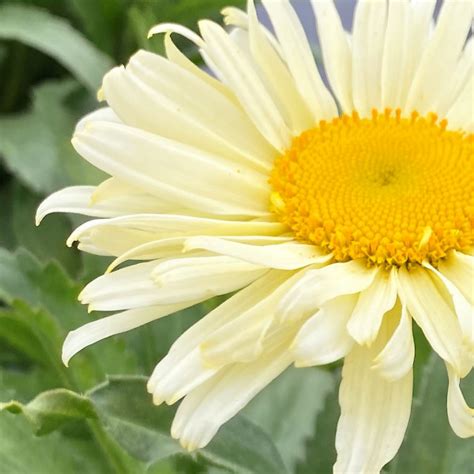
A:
(461, 115)
(192, 269)
(460, 415)
(245, 337)
(459, 268)
(394, 53)
(396, 358)
(229, 310)
(237, 17)
(209, 406)
(182, 279)
(323, 338)
(137, 229)
(299, 58)
(367, 53)
(168, 247)
(321, 285)
(420, 18)
(236, 70)
(336, 51)
(434, 316)
(440, 55)
(154, 250)
(159, 96)
(373, 303)
(277, 75)
(75, 199)
(174, 377)
(169, 380)
(142, 159)
(234, 16)
(460, 77)
(104, 114)
(374, 413)
(90, 201)
(463, 308)
(419, 29)
(179, 29)
(119, 323)
(176, 56)
(283, 256)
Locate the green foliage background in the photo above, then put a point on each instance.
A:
(96, 416)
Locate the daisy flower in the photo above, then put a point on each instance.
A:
(337, 211)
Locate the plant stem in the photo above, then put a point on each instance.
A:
(113, 454)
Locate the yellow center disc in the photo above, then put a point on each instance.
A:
(389, 189)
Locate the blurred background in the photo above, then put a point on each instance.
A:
(95, 416)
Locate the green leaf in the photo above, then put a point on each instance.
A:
(127, 412)
(33, 333)
(55, 37)
(299, 394)
(52, 409)
(46, 242)
(242, 447)
(143, 430)
(23, 453)
(102, 20)
(430, 445)
(46, 308)
(36, 144)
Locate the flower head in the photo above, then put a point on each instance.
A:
(337, 214)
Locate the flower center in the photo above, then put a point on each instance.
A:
(390, 189)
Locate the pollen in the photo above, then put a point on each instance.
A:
(390, 189)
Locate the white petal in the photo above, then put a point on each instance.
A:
(87, 200)
(76, 199)
(235, 69)
(459, 268)
(460, 77)
(277, 74)
(374, 414)
(209, 406)
(175, 55)
(237, 17)
(336, 51)
(323, 339)
(159, 96)
(373, 303)
(168, 247)
(396, 358)
(234, 16)
(169, 380)
(368, 43)
(464, 308)
(321, 285)
(284, 256)
(137, 229)
(460, 415)
(174, 377)
(104, 114)
(243, 338)
(119, 323)
(142, 159)
(434, 316)
(394, 53)
(192, 269)
(440, 55)
(299, 58)
(420, 18)
(460, 115)
(182, 279)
